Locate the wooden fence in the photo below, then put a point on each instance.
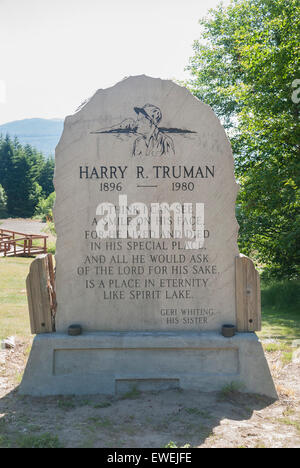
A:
(40, 285)
(14, 243)
(247, 286)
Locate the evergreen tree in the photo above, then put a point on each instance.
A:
(6, 162)
(3, 202)
(25, 175)
(46, 177)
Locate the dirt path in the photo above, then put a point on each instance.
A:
(150, 419)
(26, 226)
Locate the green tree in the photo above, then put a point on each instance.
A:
(3, 201)
(46, 177)
(21, 169)
(244, 66)
(6, 161)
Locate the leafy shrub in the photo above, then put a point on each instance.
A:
(281, 294)
(44, 208)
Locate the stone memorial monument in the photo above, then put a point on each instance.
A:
(147, 261)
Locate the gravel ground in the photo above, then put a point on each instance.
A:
(26, 226)
(167, 418)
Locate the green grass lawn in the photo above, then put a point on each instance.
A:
(280, 324)
(14, 318)
(281, 311)
(280, 304)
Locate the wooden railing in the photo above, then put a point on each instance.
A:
(18, 243)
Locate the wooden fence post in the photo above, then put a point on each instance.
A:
(248, 305)
(41, 295)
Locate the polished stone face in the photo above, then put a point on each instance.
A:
(151, 142)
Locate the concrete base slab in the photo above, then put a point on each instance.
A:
(116, 362)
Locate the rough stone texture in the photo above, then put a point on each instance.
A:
(110, 363)
(2, 356)
(8, 343)
(155, 332)
(296, 356)
(77, 200)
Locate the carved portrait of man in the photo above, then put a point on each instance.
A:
(151, 140)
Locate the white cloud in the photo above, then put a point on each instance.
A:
(2, 92)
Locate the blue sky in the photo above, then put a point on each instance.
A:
(57, 53)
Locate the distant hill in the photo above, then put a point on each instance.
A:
(42, 134)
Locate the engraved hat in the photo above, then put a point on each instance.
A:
(153, 113)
